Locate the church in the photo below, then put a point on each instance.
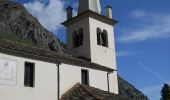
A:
(87, 72)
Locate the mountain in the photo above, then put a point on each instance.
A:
(17, 25)
(126, 89)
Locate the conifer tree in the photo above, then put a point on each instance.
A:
(165, 92)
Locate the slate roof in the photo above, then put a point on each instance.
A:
(83, 92)
(26, 51)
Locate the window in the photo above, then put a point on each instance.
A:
(102, 38)
(105, 39)
(85, 77)
(78, 38)
(75, 44)
(99, 36)
(29, 74)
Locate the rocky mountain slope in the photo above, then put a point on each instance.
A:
(16, 24)
(127, 89)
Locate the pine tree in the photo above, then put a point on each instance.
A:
(165, 92)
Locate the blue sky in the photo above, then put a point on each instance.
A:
(142, 37)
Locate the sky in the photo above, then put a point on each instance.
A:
(142, 37)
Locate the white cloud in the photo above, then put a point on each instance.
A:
(152, 26)
(74, 5)
(75, 8)
(50, 15)
(153, 92)
(123, 53)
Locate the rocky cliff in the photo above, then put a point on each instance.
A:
(127, 89)
(16, 24)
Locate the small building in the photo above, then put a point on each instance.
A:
(28, 73)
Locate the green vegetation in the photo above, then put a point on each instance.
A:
(2, 1)
(12, 5)
(16, 39)
(165, 92)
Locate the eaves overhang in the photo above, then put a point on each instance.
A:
(26, 51)
(90, 14)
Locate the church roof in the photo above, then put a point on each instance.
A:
(91, 14)
(84, 92)
(26, 51)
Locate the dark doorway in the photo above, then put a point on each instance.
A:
(85, 77)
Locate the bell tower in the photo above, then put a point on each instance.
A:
(93, 5)
(90, 35)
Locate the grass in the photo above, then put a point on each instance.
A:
(16, 39)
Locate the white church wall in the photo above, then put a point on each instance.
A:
(98, 79)
(102, 55)
(45, 81)
(113, 82)
(98, 54)
(70, 75)
(83, 51)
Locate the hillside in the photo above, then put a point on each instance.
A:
(127, 89)
(16, 24)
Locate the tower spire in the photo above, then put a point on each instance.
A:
(85, 5)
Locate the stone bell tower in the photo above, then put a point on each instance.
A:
(90, 35)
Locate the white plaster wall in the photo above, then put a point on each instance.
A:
(83, 51)
(98, 54)
(98, 79)
(45, 82)
(70, 75)
(113, 82)
(102, 55)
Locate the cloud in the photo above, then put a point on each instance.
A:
(153, 72)
(123, 53)
(152, 26)
(75, 8)
(50, 14)
(153, 92)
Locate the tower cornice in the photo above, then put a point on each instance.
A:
(91, 14)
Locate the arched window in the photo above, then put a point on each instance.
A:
(75, 44)
(104, 38)
(99, 36)
(78, 38)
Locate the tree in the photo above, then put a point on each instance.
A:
(165, 92)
